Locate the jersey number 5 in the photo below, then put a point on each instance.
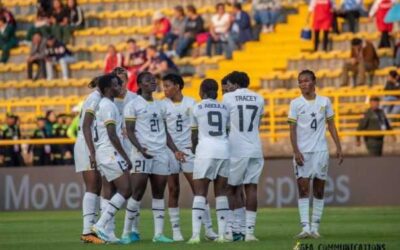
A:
(215, 120)
(253, 110)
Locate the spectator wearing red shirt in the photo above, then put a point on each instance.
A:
(322, 11)
(134, 58)
(113, 59)
(161, 27)
(379, 9)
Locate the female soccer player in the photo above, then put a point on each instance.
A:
(308, 115)
(85, 163)
(211, 161)
(144, 119)
(178, 110)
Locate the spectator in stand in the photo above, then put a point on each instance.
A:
(11, 154)
(363, 59)
(76, 17)
(374, 119)
(8, 40)
(135, 57)
(241, 29)
(41, 153)
(59, 21)
(379, 9)
(158, 63)
(57, 53)
(113, 59)
(396, 54)
(219, 30)
(177, 27)
(46, 6)
(194, 26)
(161, 27)
(393, 83)
(51, 119)
(41, 24)
(37, 56)
(322, 11)
(266, 13)
(350, 10)
(9, 17)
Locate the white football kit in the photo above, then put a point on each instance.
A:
(246, 109)
(212, 153)
(81, 151)
(150, 132)
(310, 118)
(109, 161)
(178, 117)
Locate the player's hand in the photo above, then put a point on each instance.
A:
(299, 158)
(180, 156)
(93, 163)
(145, 154)
(339, 155)
(129, 164)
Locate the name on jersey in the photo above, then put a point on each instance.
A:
(213, 106)
(245, 98)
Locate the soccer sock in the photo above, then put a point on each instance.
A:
(242, 214)
(236, 221)
(304, 208)
(130, 215)
(158, 207)
(222, 207)
(103, 205)
(318, 207)
(229, 222)
(89, 203)
(113, 206)
(135, 225)
(250, 222)
(207, 218)
(199, 203)
(174, 218)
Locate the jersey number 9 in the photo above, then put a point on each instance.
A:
(215, 120)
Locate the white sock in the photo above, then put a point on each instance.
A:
(130, 215)
(135, 225)
(229, 222)
(236, 221)
(89, 203)
(304, 208)
(222, 207)
(158, 207)
(242, 224)
(103, 205)
(250, 222)
(207, 218)
(174, 218)
(199, 203)
(318, 207)
(113, 206)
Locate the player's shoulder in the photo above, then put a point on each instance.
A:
(189, 101)
(296, 101)
(323, 99)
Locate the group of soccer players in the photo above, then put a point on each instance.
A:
(127, 139)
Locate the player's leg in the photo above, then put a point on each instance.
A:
(199, 202)
(241, 197)
(303, 185)
(108, 191)
(173, 207)
(222, 205)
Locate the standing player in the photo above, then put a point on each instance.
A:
(85, 163)
(212, 158)
(111, 158)
(178, 109)
(308, 115)
(246, 109)
(144, 119)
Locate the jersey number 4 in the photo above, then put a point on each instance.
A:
(253, 109)
(314, 124)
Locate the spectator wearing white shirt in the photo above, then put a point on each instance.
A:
(219, 30)
(266, 13)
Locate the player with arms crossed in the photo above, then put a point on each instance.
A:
(308, 115)
(111, 158)
(179, 110)
(211, 163)
(146, 130)
(85, 163)
(246, 109)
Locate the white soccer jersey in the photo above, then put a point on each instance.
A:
(178, 117)
(310, 118)
(107, 113)
(150, 129)
(245, 111)
(89, 105)
(211, 119)
(121, 102)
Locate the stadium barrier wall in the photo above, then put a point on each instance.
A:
(363, 181)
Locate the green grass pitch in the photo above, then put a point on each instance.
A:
(275, 228)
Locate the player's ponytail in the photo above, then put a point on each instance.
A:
(93, 83)
(209, 88)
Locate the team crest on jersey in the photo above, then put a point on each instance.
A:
(187, 112)
(322, 109)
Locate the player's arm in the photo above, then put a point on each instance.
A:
(333, 131)
(179, 155)
(130, 129)
(195, 139)
(115, 141)
(298, 156)
(87, 133)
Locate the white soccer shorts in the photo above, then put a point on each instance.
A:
(207, 168)
(176, 167)
(110, 163)
(245, 170)
(315, 166)
(158, 165)
(81, 156)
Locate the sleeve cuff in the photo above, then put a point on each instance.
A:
(292, 121)
(109, 122)
(130, 119)
(330, 117)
